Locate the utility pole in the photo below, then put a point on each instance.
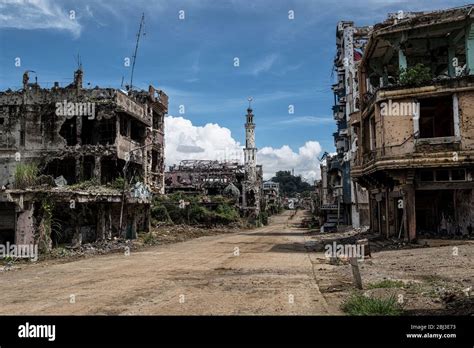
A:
(142, 24)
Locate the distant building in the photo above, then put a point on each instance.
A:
(343, 200)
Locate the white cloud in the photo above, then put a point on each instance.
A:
(37, 14)
(304, 162)
(183, 140)
(264, 65)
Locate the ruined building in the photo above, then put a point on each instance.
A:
(208, 177)
(205, 177)
(344, 201)
(415, 124)
(271, 199)
(78, 164)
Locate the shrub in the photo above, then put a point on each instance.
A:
(416, 75)
(159, 213)
(118, 183)
(25, 175)
(358, 304)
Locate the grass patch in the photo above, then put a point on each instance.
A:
(387, 283)
(25, 175)
(358, 304)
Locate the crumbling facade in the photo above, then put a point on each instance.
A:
(205, 177)
(415, 125)
(344, 201)
(271, 196)
(95, 156)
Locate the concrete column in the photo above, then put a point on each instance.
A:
(25, 232)
(109, 223)
(97, 168)
(470, 48)
(78, 130)
(101, 223)
(451, 56)
(410, 212)
(79, 171)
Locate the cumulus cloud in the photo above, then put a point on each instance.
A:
(304, 162)
(37, 14)
(183, 140)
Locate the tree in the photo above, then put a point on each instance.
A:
(290, 184)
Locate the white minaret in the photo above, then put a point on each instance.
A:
(250, 151)
(251, 189)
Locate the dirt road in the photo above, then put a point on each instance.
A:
(262, 271)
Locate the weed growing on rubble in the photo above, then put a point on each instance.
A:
(358, 304)
(387, 283)
(25, 175)
(416, 75)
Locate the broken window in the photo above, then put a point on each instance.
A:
(65, 167)
(436, 117)
(458, 175)
(132, 128)
(427, 175)
(109, 170)
(88, 165)
(95, 132)
(137, 131)
(157, 120)
(442, 175)
(2, 121)
(68, 131)
(124, 125)
(366, 134)
(154, 161)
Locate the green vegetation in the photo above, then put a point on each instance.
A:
(87, 184)
(193, 210)
(386, 284)
(358, 304)
(118, 183)
(416, 75)
(26, 175)
(290, 184)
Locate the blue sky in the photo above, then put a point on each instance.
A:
(282, 62)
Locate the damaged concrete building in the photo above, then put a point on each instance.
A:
(415, 126)
(78, 164)
(343, 200)
(205, 177)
